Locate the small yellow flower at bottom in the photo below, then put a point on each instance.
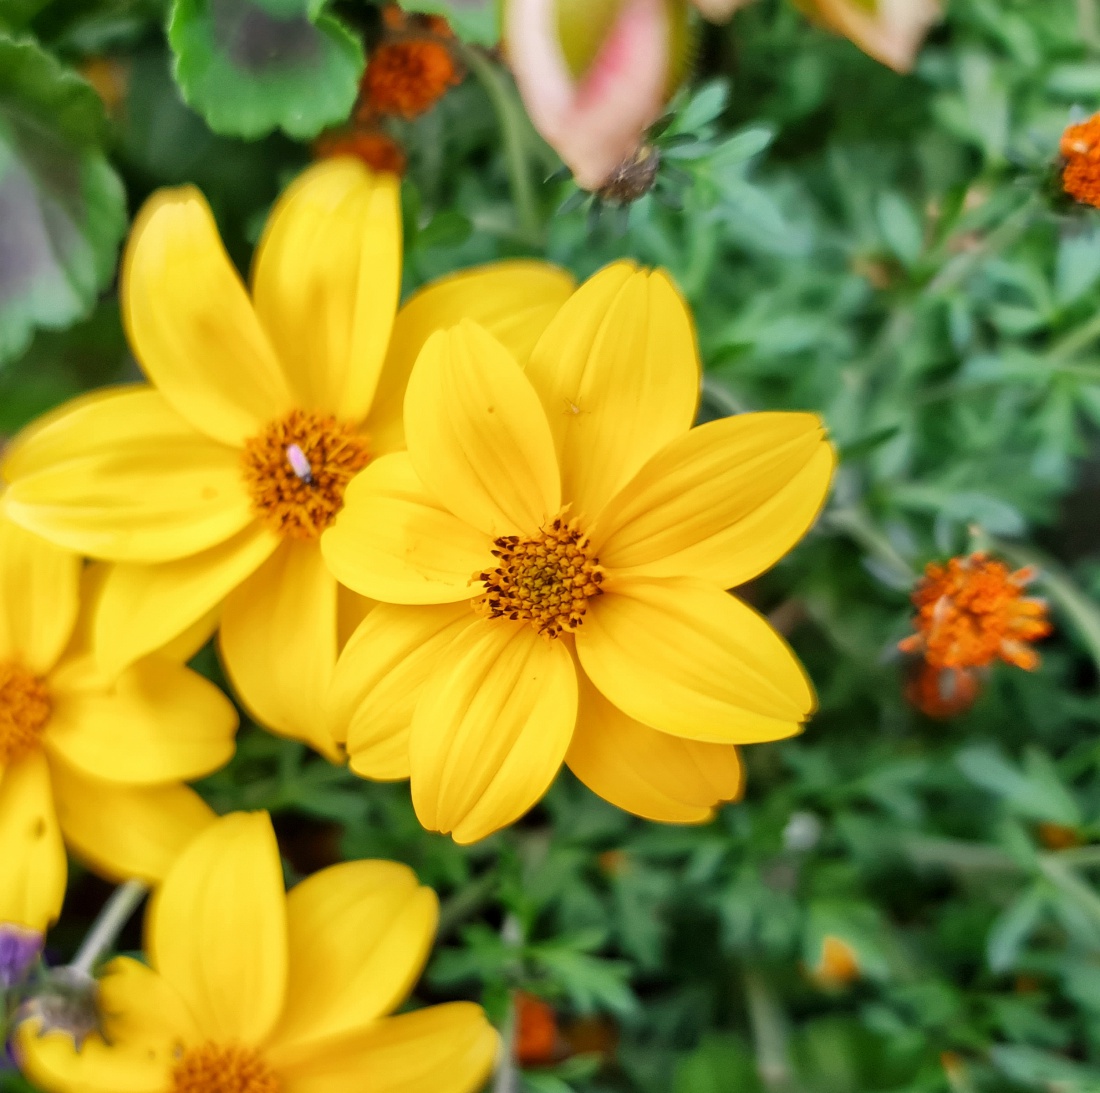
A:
(253, 990)
(552, 554)
(85, 760)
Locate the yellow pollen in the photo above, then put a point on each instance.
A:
(24, 711)
(223, 1068)
(546, 580)
(298, 468)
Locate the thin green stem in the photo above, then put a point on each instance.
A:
(1088, 22)
(858, 526)
(1076, 340)
(769, 1034)
(1008, 231)
(469, 901)
(105, 930)
(514, 132)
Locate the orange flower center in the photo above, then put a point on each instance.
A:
(219, 1068)
(25, 710)
(1081, 150)
(297, 470)
(546, 580)
(972, 612)
(408, 77)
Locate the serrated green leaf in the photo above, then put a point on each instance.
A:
(62, 207)
(472, 20)
(249, 71)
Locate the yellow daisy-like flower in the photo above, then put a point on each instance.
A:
(211, 487)
(570, 536)
(253, 990)
(93, 762)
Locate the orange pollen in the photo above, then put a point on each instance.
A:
(298, 468)
(546, 580)
(221, 1068)
(1081, 151)
(972, 611)
(408, 77)
(25, 710)
(378, 150)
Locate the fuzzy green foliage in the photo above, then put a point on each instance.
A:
(893, 260)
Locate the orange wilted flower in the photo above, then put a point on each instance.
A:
(1081, 151)
(838, 964)
(942, 693)
(410, 70)
(369, 144)
(538, 1041)
(973, 611)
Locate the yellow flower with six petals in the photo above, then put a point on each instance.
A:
(553, 550)
(210, 487)
(93, 762)
(257, 991)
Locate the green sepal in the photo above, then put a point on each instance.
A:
(249, 71)
(62, 207)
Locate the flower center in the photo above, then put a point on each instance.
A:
(25, 709)
(298, 468)
(221, 1068)
(546, 580)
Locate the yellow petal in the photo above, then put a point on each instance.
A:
(327, 279)
(378, 682)
(141, 1009)
(442, 1049)
(721, 503)
(360, 933)
(127, 478)
(158, 722)
(142, 608)
(52, 1063)
(394, 542)
(618, 374)
(477, 435)
(33, 870)
(513, 301)
(217, 929)
(491, 728)
(652, 774)
(39, 598)
(124, 832)
(351, 610)
(191, 324)
(685, 658)
(278, 642)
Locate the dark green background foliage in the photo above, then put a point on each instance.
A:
(883, 250)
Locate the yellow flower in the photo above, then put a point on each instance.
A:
(257, 991)
(84, 760)
(573, 536)
(211, 486)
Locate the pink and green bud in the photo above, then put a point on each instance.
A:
(596, 74)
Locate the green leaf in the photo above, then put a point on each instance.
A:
(252, 66)
(62, 207)
(472, 20)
